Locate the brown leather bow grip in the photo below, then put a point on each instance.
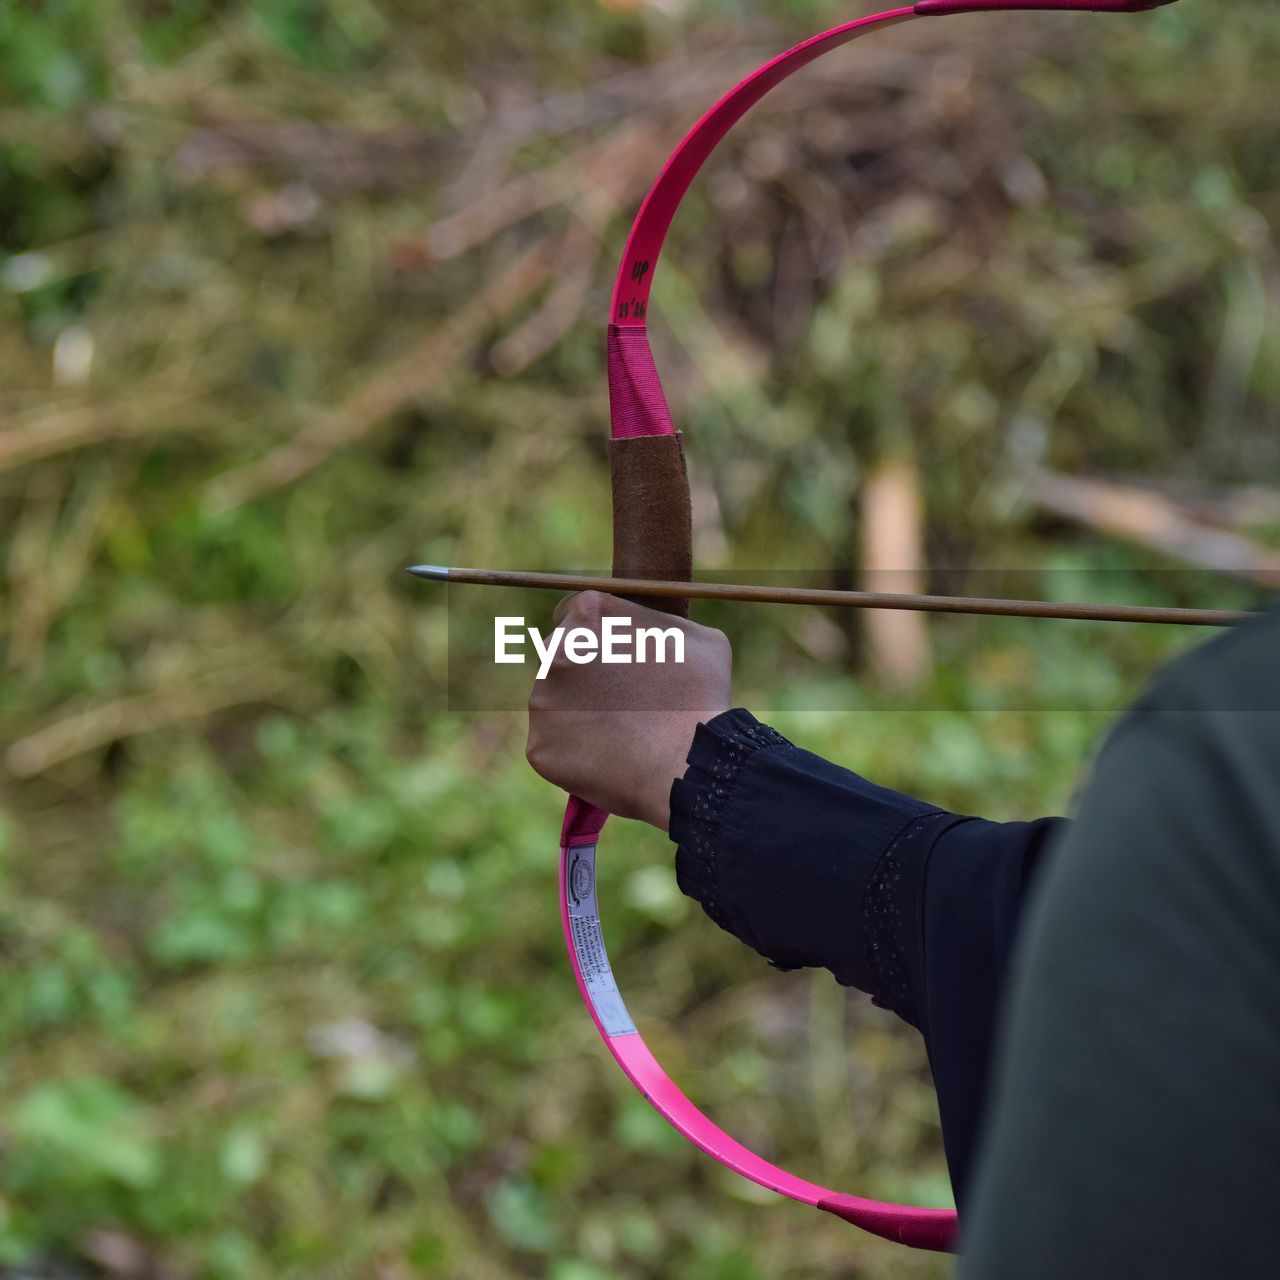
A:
(652, 520)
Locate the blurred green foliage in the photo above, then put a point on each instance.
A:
(282, 989)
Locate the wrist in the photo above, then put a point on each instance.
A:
(671, 762)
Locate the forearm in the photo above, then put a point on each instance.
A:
(781, 849)
(814, 866)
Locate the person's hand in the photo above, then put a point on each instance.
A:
(617, 734)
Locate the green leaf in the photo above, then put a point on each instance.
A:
(90, 1123)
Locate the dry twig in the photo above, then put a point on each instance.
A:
(91, 727)
(400, 380)
(65, 427)
(1154, 520)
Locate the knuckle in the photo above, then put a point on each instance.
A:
(590, 607)
(716, 642)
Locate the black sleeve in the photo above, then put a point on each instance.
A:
(814, 866)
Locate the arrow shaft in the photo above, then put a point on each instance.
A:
(986, 607)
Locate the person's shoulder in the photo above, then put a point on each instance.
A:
(1238, 670)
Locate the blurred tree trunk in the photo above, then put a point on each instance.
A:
(893, 559)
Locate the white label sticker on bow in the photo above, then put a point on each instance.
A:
(588, 944)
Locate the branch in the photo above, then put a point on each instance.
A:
(400, 380)
(97, 726)
(1156, 521)
(42, 435)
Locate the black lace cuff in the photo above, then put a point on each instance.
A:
(809, 864)
(715, 759)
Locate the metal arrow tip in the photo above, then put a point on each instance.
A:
(436, 572)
